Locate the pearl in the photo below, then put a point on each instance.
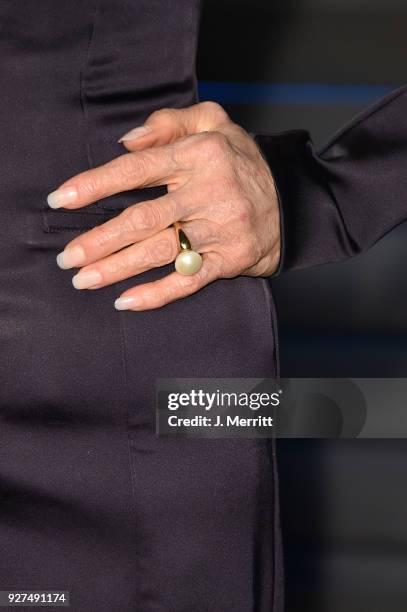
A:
(188, 262)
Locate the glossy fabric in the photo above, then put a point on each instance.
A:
(91, 500)
(338, 201)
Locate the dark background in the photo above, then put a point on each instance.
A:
(314, 64)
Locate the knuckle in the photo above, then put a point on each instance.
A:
(215, 109)
(143, 217)
(89, 187)
(181, 287)
(214, 145)
(101, 235)
(170, 293)
(160, 296)
(248, 252)
(191, 284)
(116, 265)
(130, 219)
(162, 115)
(128, 222)
(128, 169)
(140, 256)
(194, 283)
(149, 217)
(163, 251)
(133, 165)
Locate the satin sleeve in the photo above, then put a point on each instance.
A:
(338, 201)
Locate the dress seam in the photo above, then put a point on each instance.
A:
(82, 93)
(126, 395)
(276, 528)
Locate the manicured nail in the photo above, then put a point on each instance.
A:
(62, 197)
(126, 303)
(137, 132)
(71, 257)
(86, 278)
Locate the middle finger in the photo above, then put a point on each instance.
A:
(136, 223)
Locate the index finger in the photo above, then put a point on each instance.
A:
(147, 168)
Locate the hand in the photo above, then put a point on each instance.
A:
(219, 187)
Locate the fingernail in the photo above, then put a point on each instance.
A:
(137, 132)
(71, 257)
(62, 197)
(126, 303)
(86, 278)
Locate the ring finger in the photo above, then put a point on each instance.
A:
(153, 252)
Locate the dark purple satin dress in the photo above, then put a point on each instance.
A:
(91, 499)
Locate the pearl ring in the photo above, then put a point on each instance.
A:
(187, 262)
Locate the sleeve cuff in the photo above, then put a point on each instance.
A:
(286, 154)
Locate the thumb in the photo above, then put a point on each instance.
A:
(169, 124)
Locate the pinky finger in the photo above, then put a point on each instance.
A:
(168, 289)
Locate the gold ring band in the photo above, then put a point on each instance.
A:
(183, 242)
(188, 261)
